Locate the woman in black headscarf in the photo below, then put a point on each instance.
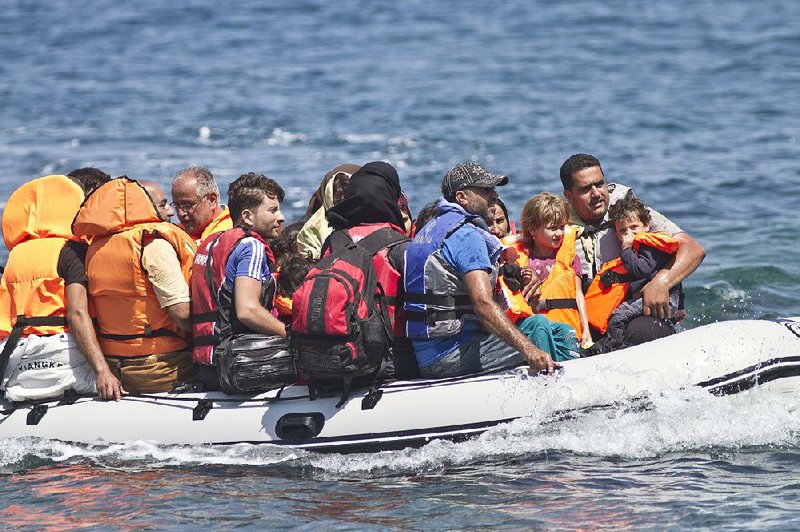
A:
(370, 197)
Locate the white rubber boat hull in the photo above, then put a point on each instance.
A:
(724, 358)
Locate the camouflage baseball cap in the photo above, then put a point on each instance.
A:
(470, 175)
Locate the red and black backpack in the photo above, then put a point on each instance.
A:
(341, 330)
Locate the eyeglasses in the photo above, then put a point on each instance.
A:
(188, 207)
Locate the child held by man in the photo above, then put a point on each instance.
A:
(614, 297)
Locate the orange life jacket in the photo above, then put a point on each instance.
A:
(609, 287)
(283, 304)
(121, 219)
(512, 301)
(558, 292)
(222, 222)
(36, 225)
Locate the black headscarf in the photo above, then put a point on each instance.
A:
(371, 197)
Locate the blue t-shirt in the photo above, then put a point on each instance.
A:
(248, 259)
(466, 251)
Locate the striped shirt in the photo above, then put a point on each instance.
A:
(248, 259)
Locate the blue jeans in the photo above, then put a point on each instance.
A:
(482, 352)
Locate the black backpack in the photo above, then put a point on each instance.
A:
(341, 332)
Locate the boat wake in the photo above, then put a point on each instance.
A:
(644, 427)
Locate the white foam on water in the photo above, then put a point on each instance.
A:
(679, 422)
(281, 137)
(645, 426)
(16, 452)
(726, 291)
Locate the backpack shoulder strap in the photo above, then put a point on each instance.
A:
(382, 238)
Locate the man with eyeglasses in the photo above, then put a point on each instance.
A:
(590, 195)
(196, 201)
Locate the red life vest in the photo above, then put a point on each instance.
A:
(610, 286)
(213, 308)
(390, 279)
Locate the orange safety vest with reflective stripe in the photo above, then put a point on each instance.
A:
(36, 225)
(558, 292)
(609, 287)
(121, 219)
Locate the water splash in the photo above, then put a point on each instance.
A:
(639, 428)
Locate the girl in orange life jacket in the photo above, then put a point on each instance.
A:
(614, 297)
(549, 277)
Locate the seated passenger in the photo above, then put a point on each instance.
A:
(614, 297)
(405, 211)
(587, 191)
(292, 270)
(372, 201)
(455, 325)
(240, 296)
(316, 228)
(288, 260)
(156, 194)
(499, 223)
(196, 200)
(49, 343)
(369, 215)
(549, 282)
(138, 267)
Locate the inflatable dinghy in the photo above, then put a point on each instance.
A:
(722, 358)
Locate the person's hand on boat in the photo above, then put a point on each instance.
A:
(540, 361)
(655, 299)
(108, 386)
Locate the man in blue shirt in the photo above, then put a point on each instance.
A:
(455, 324)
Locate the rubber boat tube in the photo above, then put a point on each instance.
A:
(723, 358)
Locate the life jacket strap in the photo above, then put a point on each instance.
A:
(438, 300)
(148, 333)
(610, 277)
(552, 304)
(432, 316)
(203, 317)
(202, 341)
(16, 333)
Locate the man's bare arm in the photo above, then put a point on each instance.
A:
(249, 310)
(481, 294)
(655, 294)
(82, 331)
(180, 312)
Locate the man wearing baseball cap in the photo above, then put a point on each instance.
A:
(454, 323)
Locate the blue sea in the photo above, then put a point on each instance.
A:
(693, 103)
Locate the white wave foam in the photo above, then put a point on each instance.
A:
(689, 421)
(14, 452)
(280, 137)
(726, 291)
(645, 427)
(379, 138)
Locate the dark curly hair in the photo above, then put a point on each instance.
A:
(576, 163)
(629, 206)
(293, 270)
(248, 191)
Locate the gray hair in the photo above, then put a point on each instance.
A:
(204, 178)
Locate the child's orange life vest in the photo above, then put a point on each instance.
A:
(610, 286)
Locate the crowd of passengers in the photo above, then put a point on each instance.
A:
(102, 294)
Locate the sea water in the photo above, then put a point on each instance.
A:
(694, 104)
